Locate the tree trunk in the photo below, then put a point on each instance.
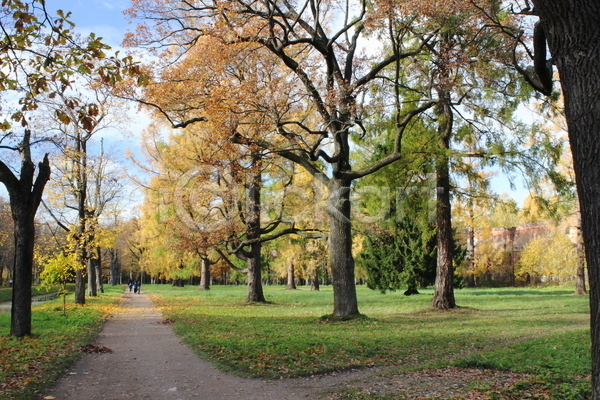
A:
(91, 277)
(205, 274)
(471, 247)
(25, 197)
(580, 289)
(22, 275)
(314, 282)
(178, 283)
(291, 279)
(98, 267)
(79, 287)
(80, 273)
(255, 290)
(443, 297)
(114, 268)
(572, 28)
(345, 302)
(80, 168)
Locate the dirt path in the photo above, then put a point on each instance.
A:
(147, 361)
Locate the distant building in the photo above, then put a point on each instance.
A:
(497, 253)
(516, 238)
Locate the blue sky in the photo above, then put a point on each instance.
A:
(103, 17)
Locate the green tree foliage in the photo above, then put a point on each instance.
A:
(395, 212)
(404, 256)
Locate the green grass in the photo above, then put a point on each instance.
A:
(29, 364)
(542, 332)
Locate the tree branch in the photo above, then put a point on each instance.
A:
(262, 239)
(229, 263)
(395, 155)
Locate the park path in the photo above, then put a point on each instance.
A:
(148, 361)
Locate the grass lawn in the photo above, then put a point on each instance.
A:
(29, 364)
(543, 333)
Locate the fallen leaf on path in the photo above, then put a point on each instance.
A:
(166, 321)
(92, 348)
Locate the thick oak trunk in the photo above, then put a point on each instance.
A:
(345, 303)
(25, 196)
(291, 278)
(204, 274)
(255, 290)
(22, 274)
(572, 28)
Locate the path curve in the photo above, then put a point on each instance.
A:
(148, 361)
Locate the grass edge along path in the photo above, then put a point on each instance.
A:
(542, 334)
(31, 364)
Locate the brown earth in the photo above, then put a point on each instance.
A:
(138, 356)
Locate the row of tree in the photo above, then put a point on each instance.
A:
(383, 91)
(375, 95)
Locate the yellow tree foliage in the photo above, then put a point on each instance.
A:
(550, 257)
(488, 260)
(303, 205)
(59, 269)
(192, 205)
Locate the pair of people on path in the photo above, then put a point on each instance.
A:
(135, 285)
